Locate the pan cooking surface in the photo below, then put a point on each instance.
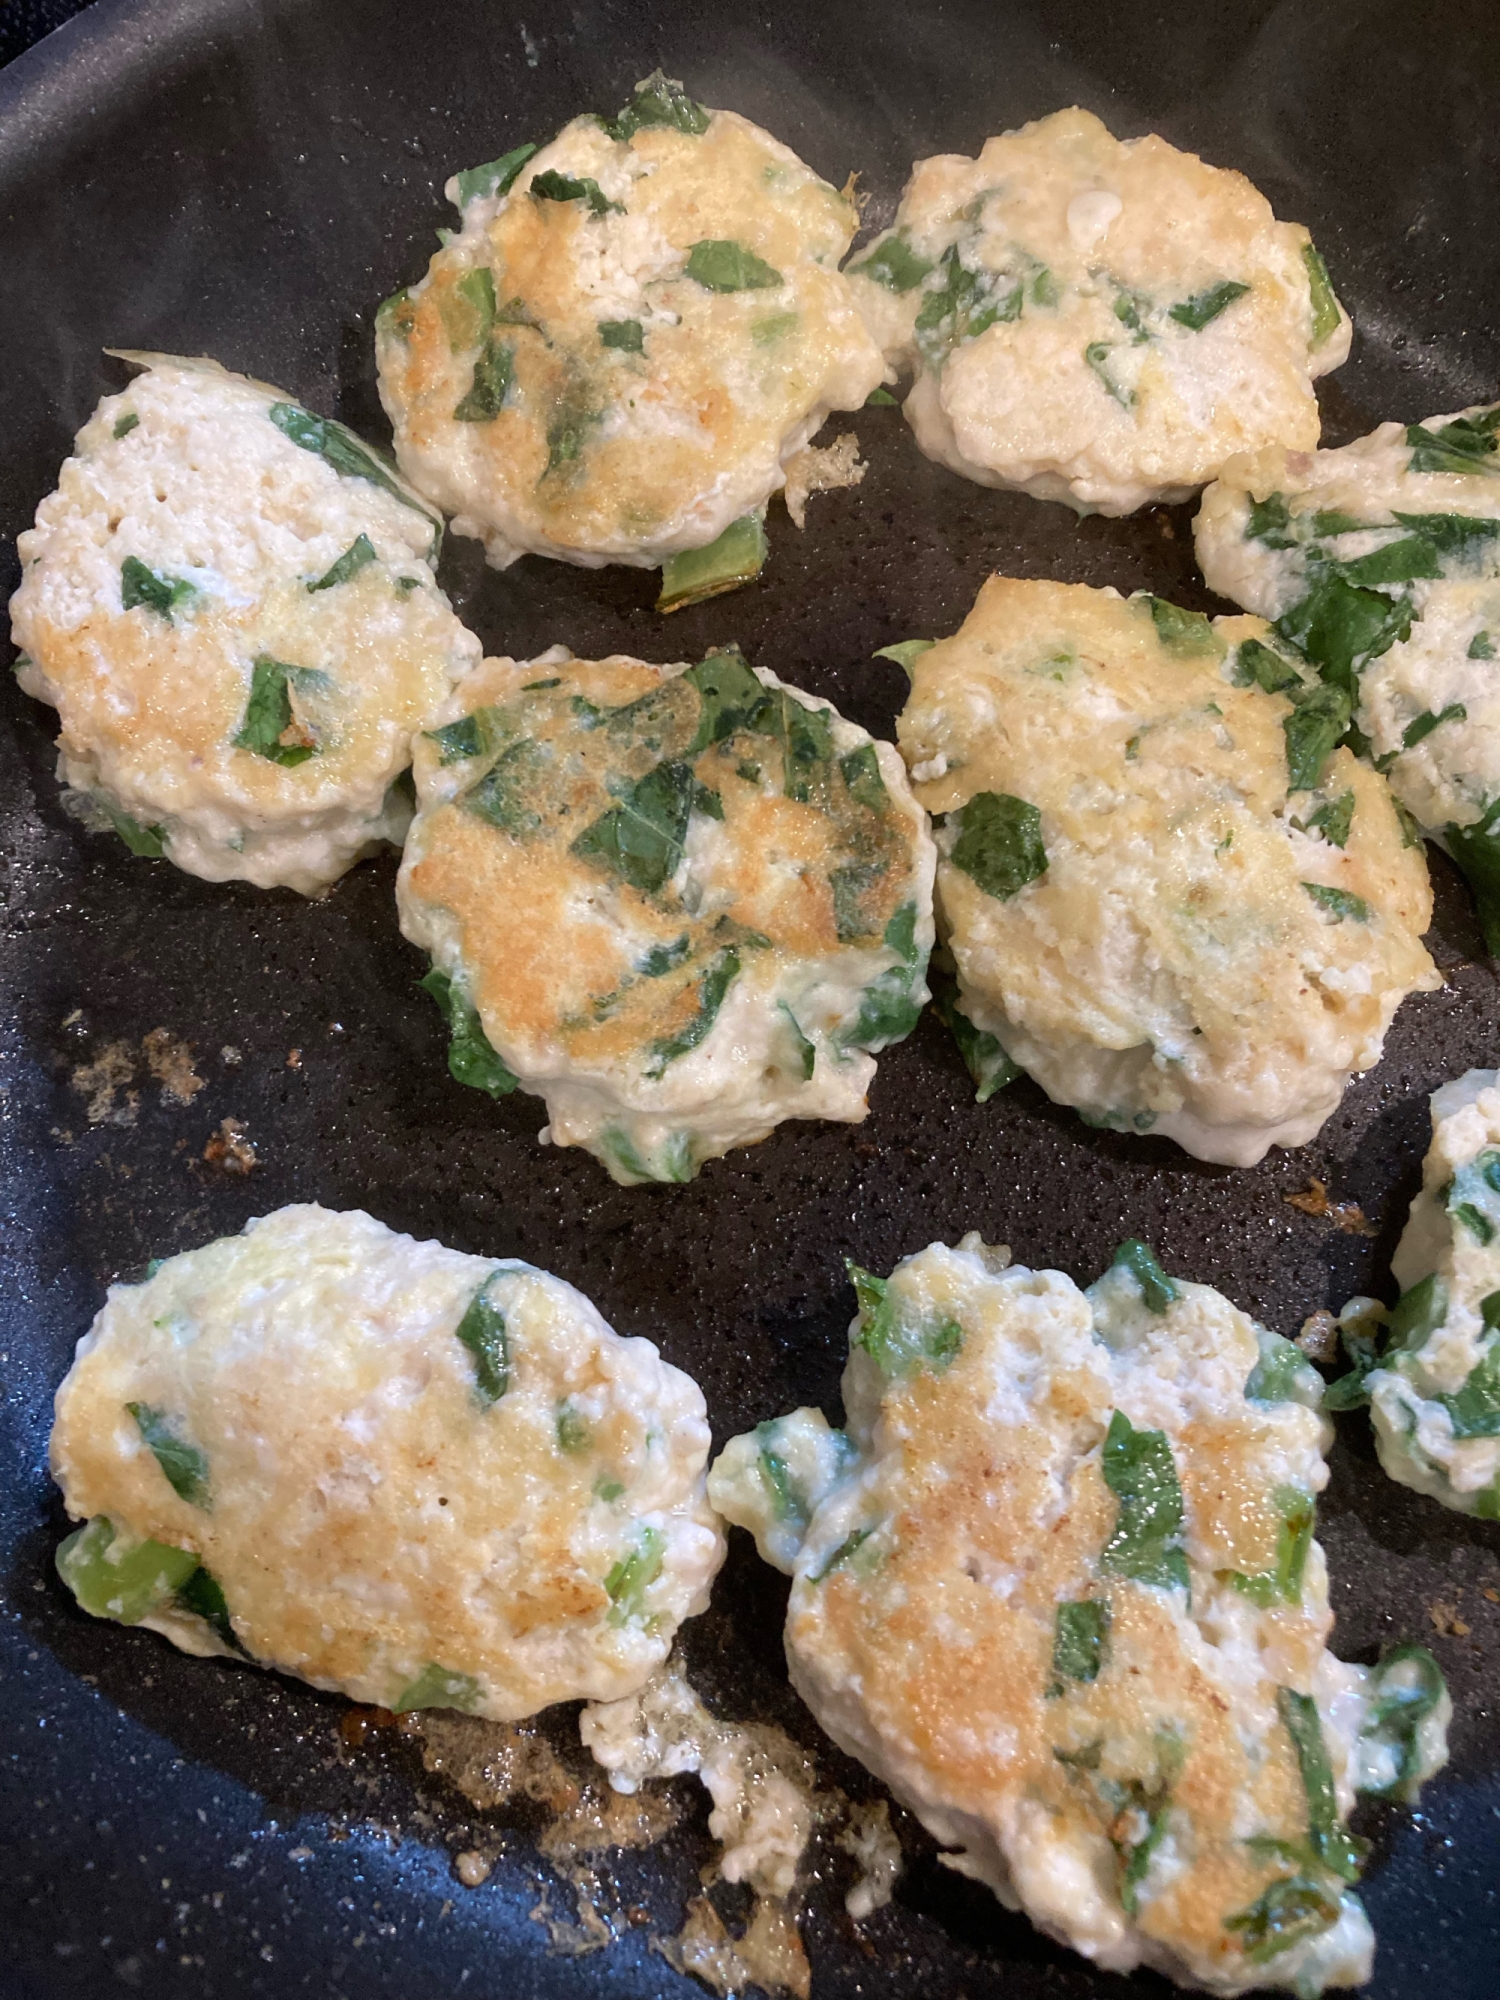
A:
(249, 180)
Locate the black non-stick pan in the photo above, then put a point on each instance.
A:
(247, 178)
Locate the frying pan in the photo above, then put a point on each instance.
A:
(247, 178)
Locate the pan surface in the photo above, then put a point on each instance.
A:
(247, 178)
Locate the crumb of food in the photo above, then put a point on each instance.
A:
(1492, 1595)
(870, 1838)
(472, 1868)
(821, 469)
(850, 192)
(769, 1952)
(1319, 1337)
(294, 1058)
(98, 1081)
(592, 1931)
(229, 1149)
(1345, 1215)
(170, 1061)
(1165, 529)
(1445, 1619)
(72, 1020)
(230, 1056)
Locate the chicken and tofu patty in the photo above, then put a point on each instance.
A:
(1429, 1368)
(417, 1478)
(1097, 321)
(680, 903)
(1056, 1585)
(634, 330)
(1169, 897)
(1381, 561)
(231, 603)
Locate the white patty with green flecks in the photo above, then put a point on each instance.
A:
(415, 1477)
(231, 603)
(1431, 1371)
(1382, 562)
(1057, 1586)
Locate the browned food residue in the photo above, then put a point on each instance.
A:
(821, 469)
(1445, 1619)
(1345, 1215)
(99, 1080)
(170, 1061)
(1319, 1337)
(229, 1150)
(769, 1953)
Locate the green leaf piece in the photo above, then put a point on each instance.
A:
(439, 1687)
(1276, 1375)
(1312, 732)
(141, 585)
(880, 399)
(344, 453)
(967, 305)
(722, 265)
(1096, 356)
(806, 1050)
(846, 1548)
(1481, 647)
(1465, 446)
(1333, 819)
(1422, 726)
(659, 101)
(1270, 522)
(632, 1576)
(268, 715)
(1341, 628)
(895, 265)
(457, 740)
(625, 335)
(985, 1060)
(203, 1595)
(1078, 1643)
(1330, 1839)
(489, 385)
(715, 983)
(731, 698)
(482, 1331)
(553, 186)
(1463, 539)
(1257, 664)
(1410, 560)
(1340, 903)
(183, 1464)
(359, 552)
(493, 178)
(1146, 1544)
(1476, 849)
(396, 317)
(1186, 635)
(1407, 1686)
(889, 1008)
(574, 1434)
(860, 771)
(126, 424)
(148, 842)
(499, 798)
(1325, 307)
(1158, 1291)
(1474, 1410)
(1196, 312)
(999, 845)
(1283, 1583)
(124, 1584)
(905, 652)
(1291, 1910)
(640, 840)
(805, 736)
(471, 1059)
(897, 1339)
(736, 558)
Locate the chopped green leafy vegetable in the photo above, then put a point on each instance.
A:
(469, 309)
(456, 740)
(846, 1548)
(659, 101)
(1078, 1642)
(627, 335)
(1333, 819)
(1405, 1689)
(1330, 1839)
(574, 1434)
(999, 844)
(203, 1595)
(471, 1059)
(889, 1008)
(1158, 1291)
(343, 451)
(1340, 903)
(359, 552)
(895, 265)
(730, 695)
(1261, 665)
(896, 1336)
(1187, 635)
(184, 1465)
(489, 385)
(1341, 628)
(721, 265)
(1196, 312)
(1474, 1410)
(1422, 726)
(1291, 1910)
(1270, 521)
(126, 424)
(736, 558)
(1312, 732)
(715, 983)
(268, 716)
(967, 305)
(1146, 1543)
(494, 177)
(805, 736)
(1481, 647)
(438, 1687)
(1409, 560)
(396, 317)
(142, 585)
(482, 1331)
(985, 1060)
(1283, 1583)
(905, 652)
(641, 839)
(860, 770)
(146, 841)
(634, 1573)
(553, 186)
(127, 1584)
(807, 1053)
(1465, 446)
(1460, 538)
(880, 399)
(1096, 355)
(1280, 1371)
(500, 796)
(1476, 849)
(1325, 306)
